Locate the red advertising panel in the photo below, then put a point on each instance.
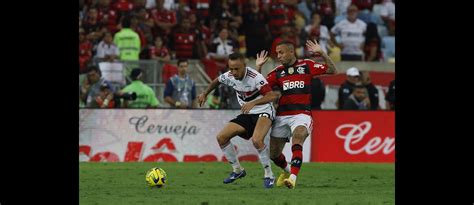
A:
(353, 136)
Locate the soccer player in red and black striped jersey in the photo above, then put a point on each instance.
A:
(293, 119)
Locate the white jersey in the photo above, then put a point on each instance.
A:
(250, 88)
(352, 36)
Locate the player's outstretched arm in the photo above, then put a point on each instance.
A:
(268, 97)
(203, 96)
(314, 47)
(262, 58)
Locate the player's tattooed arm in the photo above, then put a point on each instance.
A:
(203, 96)
(314, 47)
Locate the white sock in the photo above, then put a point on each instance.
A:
(231, 155)
(287, 168)
(293, 177)
(264, 156)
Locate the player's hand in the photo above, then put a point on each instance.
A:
(313, 46)
(201, 99)
(247, 107)
(262, 58)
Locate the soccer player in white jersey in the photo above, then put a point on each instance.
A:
(255, 98)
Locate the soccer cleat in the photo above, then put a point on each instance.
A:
(233, 176)
(281, 178)
(290, 183)
(268, 182)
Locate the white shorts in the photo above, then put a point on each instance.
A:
(284, 126)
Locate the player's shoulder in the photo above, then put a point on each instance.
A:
(226, 76)
(252, 73)
(276, 69)
(306, 61)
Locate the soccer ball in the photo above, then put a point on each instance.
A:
(156, 177)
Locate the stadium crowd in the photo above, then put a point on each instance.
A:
(210, 30)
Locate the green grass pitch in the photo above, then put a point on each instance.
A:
(201, 183)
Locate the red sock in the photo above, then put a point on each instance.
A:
(296, 159)
(280, 161)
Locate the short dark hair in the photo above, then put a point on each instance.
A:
(126, 21)
(135, 73)
(237, 55)
(94, 68)
(287, 43)
(182, 60)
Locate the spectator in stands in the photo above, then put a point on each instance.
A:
(390, 97)
(300, 21)
(169, 4)
(160, 53)
(255, 29)
(221, 48)
(145, 24)
(184, 41)
(107, 15)
(341, 7)
(92, 26)
(318, 93)
(230, 10)
(180, 91)
(164, 19)
(85, 51)
(372, 91)
(225, 21)
(286, 34)
(203, 36)
(107, 50)
(353, 77)
(145, 96)
(90, 88)
(373, 43)
(134, 25)
(358, 100)
(307, 7)
(386, 10)
(318, 32)
(138, 4)
(105, 99)
(351, 32)
(123, 8)
(327, 10)
(200, 8)
(127, 41)
(281, 13)
(363, 4)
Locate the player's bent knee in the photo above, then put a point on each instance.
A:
(222, 140)
(257, 143)
(300, 133)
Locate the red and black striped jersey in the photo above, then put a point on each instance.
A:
(183, 44)
(294, 83)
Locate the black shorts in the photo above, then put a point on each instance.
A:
(248, 122)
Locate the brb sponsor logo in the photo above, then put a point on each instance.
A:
(353, 134)
(287, 85)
